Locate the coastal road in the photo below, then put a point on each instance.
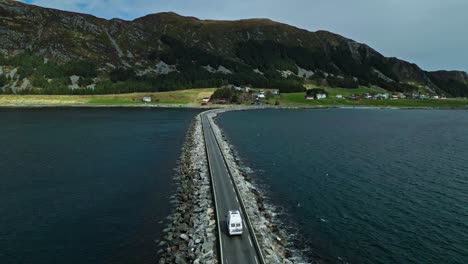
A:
(234, 249)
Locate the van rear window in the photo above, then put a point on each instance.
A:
(238, 225)
(233, 225)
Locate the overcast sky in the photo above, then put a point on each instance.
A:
(430, 33)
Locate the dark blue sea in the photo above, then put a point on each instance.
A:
(86, 185)
(362, 185)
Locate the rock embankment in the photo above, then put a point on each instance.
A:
(271, 238)
(190, 237)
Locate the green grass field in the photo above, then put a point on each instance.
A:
(194, 98)
(112, 101)
(298, 100)
(191, 97)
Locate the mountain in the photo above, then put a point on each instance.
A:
(51, 51)
(453, 82)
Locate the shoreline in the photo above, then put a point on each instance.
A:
(102, 106)
(214, 107)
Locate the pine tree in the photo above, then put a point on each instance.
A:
(3, 80)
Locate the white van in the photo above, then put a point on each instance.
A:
(234, 223)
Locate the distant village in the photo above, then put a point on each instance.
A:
(240, 95)
(318, 94)
(231, 94)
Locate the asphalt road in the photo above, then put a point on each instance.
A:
(234, 249)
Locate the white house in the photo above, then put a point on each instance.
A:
(206, 100)
(147, 99)
(320, 96)
(339, 96)
(384, 96)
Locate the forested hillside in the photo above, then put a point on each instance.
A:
(55, 52)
